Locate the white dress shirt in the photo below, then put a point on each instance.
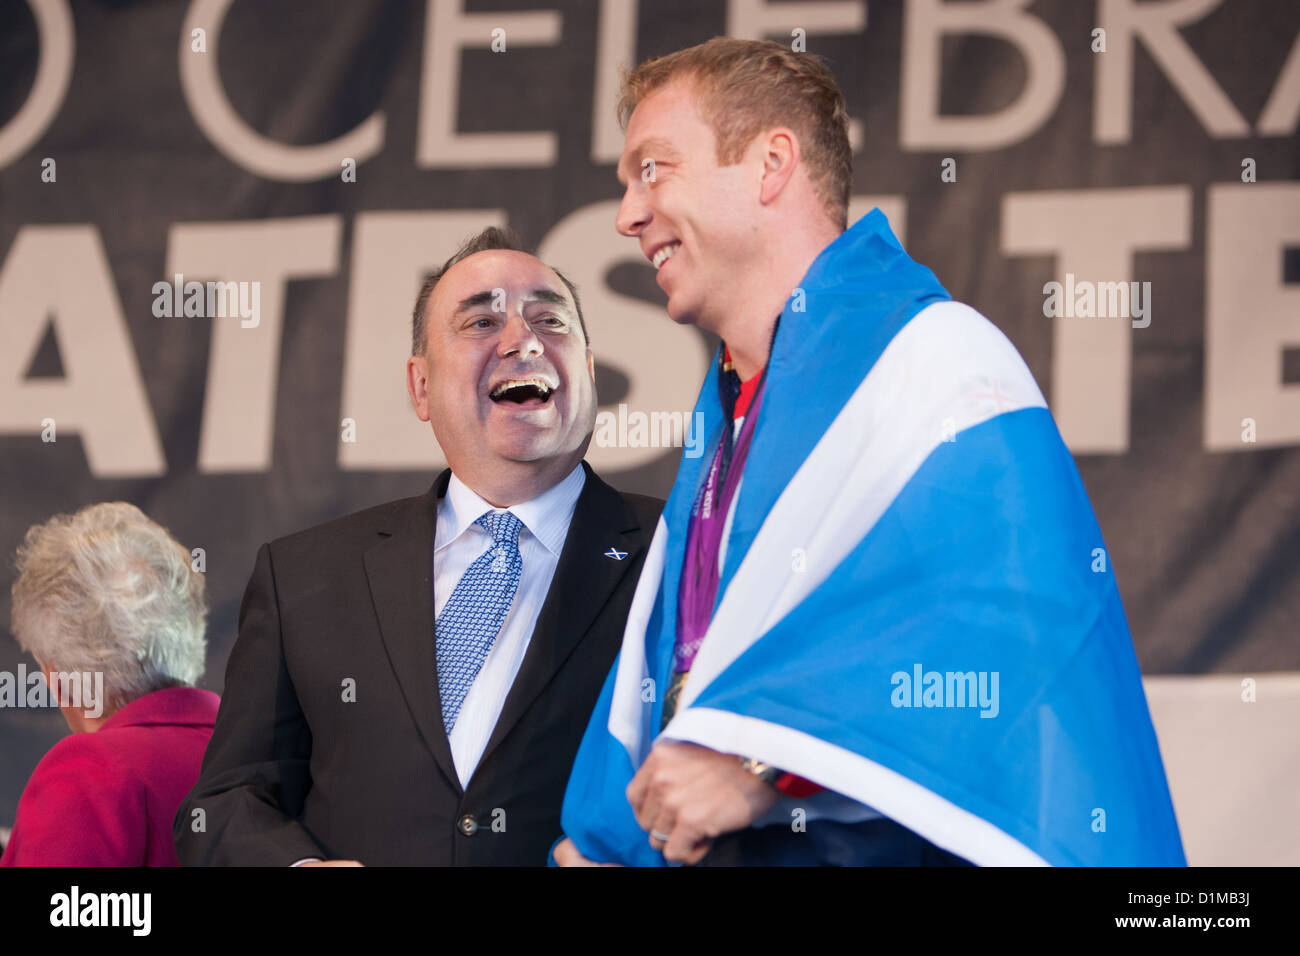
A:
(458, 543)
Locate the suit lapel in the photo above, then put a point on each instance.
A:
(585, 578)
(399, 570)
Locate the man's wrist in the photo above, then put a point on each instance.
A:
(787, 784)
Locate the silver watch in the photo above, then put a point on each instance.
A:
(763, 771)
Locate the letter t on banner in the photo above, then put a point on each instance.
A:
(1094, 234)
(1250, 314)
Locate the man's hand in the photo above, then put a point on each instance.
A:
(566, 854)
(684, 795)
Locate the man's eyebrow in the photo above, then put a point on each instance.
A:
(474, 301)
(658, 146)
(489, 296)
(548, 295)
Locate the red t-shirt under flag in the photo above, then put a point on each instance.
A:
(746, 396)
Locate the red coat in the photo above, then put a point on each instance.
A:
(108, 798)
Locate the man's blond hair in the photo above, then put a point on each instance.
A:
(746, 87)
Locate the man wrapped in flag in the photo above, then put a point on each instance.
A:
(876, 624)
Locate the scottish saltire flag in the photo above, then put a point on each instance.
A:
(916, 607)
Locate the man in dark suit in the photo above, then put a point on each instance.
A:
(410, 683)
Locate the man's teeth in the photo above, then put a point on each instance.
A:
(516, 382)
(666, 253)
(544, 390)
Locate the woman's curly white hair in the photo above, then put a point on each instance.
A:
(108, 591)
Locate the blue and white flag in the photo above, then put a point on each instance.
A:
(916, 610)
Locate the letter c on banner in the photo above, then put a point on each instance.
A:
(201, 84)
(53, 73)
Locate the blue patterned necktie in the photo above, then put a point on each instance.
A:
(473, 615)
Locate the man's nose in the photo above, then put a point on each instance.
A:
(518, 336)
(633, 213)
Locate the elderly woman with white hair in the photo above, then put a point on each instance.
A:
(107, 603)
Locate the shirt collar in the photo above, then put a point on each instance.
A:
(546, 517)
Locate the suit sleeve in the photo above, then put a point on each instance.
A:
(257, 768)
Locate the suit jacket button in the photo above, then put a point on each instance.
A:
(467, 825)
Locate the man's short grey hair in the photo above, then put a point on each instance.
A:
(493, 237)
(108, 591)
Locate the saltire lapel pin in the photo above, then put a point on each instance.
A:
(616, 554)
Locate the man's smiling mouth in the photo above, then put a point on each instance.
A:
(522, 391)
(664, 254)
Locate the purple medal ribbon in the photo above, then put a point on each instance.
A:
(700, 573)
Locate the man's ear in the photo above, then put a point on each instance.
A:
(591, 365)
(417, 384)
(780, 154)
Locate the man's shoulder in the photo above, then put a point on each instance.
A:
(356, 528)
(645, 508)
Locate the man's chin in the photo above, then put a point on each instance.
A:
(525, 446)
(681, 313)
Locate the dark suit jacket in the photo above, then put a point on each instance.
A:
(300, 767)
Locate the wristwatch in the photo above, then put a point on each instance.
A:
(763, 771)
